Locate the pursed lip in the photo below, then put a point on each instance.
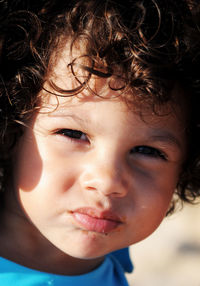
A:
(98, 221)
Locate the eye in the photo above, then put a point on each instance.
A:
(73, 134)
(148, 151)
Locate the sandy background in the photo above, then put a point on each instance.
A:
(171, 255)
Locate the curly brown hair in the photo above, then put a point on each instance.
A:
(150, 45)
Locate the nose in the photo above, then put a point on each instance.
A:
(104, 175)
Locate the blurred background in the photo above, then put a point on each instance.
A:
(171, 255)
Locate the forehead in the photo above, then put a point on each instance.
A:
(67, 77)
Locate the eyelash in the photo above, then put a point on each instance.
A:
(75, 135)
(72, 134)
(149, 151)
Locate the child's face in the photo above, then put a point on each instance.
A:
(93, 176)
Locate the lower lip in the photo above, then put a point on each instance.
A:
(95, 224)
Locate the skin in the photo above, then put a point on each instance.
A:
(114, 161)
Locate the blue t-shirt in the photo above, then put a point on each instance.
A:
(109, 273)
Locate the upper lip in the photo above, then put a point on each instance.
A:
(99, 214)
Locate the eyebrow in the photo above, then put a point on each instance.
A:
(83, 121)
(166, 137)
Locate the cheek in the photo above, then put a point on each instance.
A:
(153, 206)
(145, 217)
(27, 165)
(157, 197)
(148, 205)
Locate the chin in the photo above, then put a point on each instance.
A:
(87, 254)
(88, 245)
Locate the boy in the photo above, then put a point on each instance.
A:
(97, 107)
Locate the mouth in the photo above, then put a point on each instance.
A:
(97, 221)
